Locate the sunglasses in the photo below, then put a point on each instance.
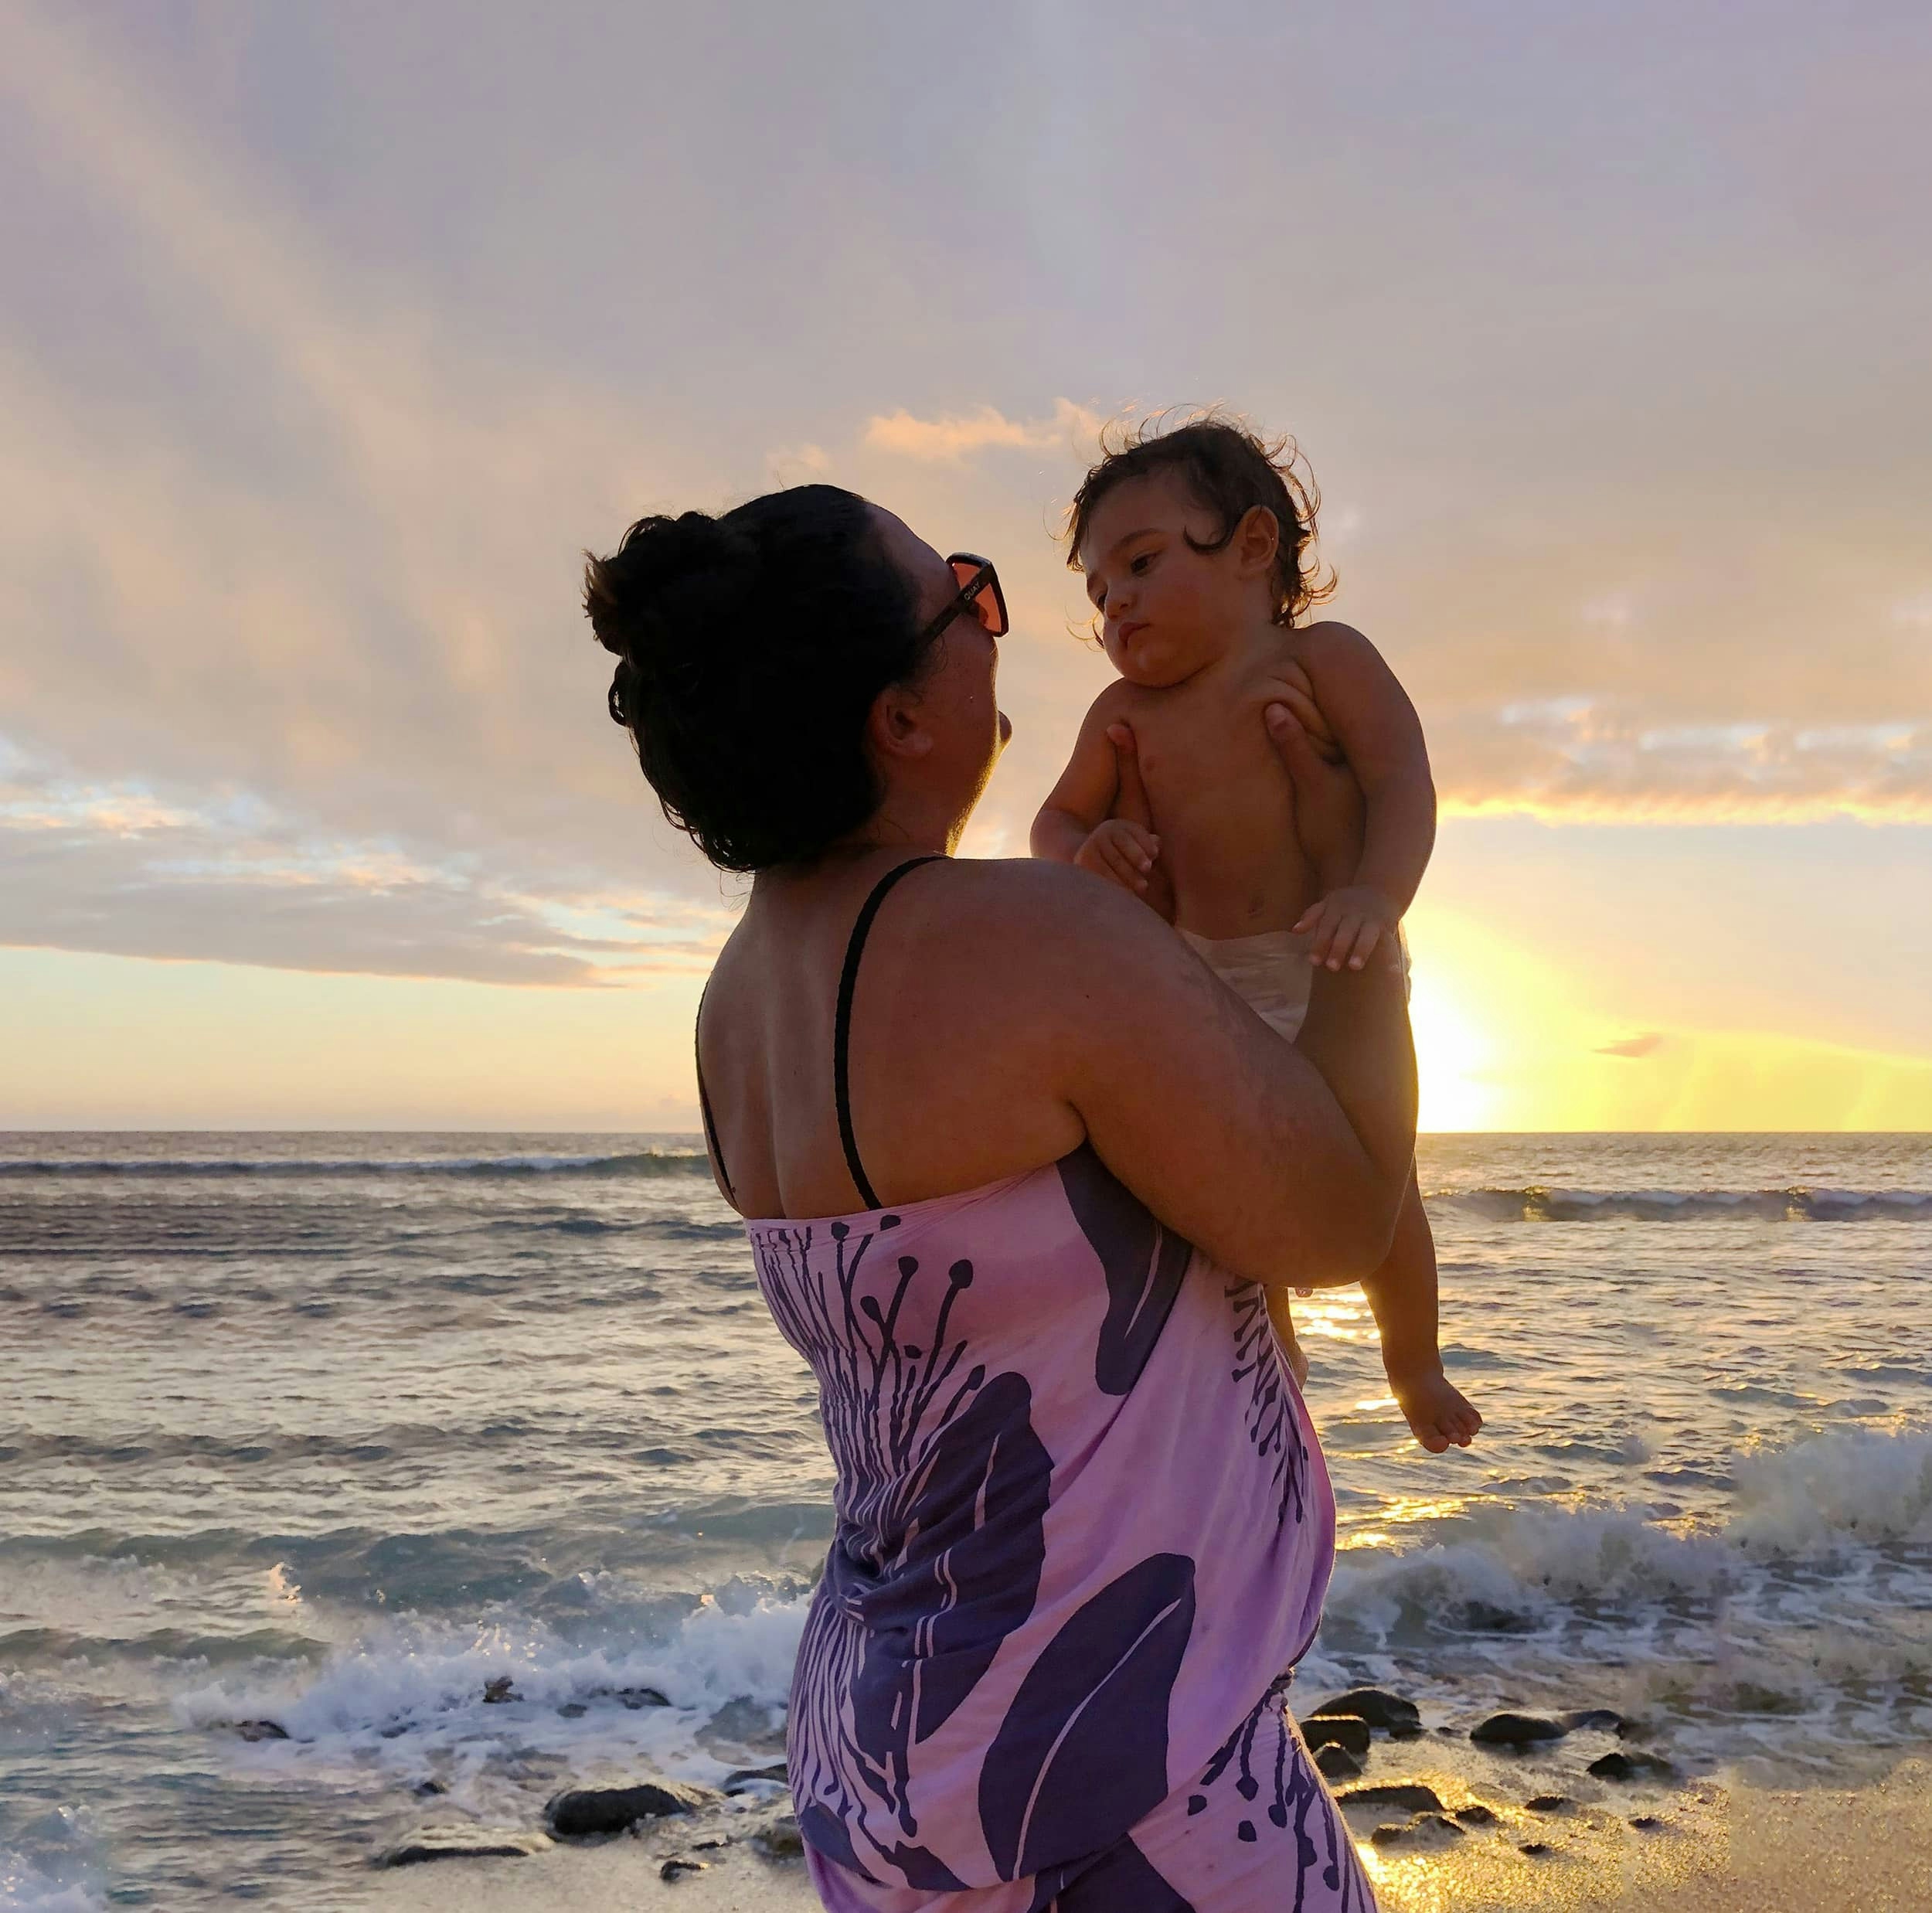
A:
(979, 593)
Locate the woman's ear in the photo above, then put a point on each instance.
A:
(1257, 539)
(896, 726)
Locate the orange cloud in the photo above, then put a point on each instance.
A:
(952, 435)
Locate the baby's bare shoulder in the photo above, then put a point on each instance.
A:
(1329, 644)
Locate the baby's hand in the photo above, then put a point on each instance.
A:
(1346, 925)
(1122, 851)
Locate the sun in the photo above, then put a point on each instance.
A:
(1453, 1058)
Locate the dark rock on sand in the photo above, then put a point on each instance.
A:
(676, 1869)
(781, 1840)
(1646, 1822)
(499, 1690)
(1593, 1720)
(1337, 1763)
(1337, 1730)
(1387, 1711)
(1411, 1796)
(1475, 1814)
(1534, 1847)
(1515, 1729)
(260, 1730)
(585, 1810)
(460, 1842)
(428, 1789)
(1547, 1802)
(1626, 1767)
(1431, 1826)
(573, 1710)
(747, 1777)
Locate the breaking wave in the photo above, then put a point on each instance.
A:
(1534, 1203)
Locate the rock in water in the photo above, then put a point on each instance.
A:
(460, 1842)
(1624, 1767)
(1387, 1711)
(1337, 1730)
(585, 1810)
(1476, 1814)
(499, 1690)
(1594, 1719)
(260, 1730)
(746, 1777)
(1410, 1795)
(676, 1869)
(635, 1698)
(1547, 1802)
(1337, 1763)
(1515, 1729)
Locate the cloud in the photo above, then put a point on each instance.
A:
(1634, 1047)
(122, 872)
(1603, 759)
(954, 435)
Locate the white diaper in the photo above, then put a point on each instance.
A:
(1270, 972)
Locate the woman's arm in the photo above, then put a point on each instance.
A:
(1287, 1162)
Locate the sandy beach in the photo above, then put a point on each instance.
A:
(1718, 1847)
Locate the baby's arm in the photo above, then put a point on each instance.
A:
(1076, 824)
(1402, 1295)
(1381, 736)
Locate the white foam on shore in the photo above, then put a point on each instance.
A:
(408, 1700)
(1811, 1600)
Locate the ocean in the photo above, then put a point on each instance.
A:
(309, 1442)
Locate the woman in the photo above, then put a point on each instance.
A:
(995, 1177)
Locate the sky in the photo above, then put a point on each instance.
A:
(334, 333)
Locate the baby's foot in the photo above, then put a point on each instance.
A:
(1435, 1408)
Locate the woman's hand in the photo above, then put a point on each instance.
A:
(1330, 811)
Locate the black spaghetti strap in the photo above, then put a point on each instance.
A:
(704, 1101)
(841, 1029)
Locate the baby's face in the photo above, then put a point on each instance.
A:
(1166, 610)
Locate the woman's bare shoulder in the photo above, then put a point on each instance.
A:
(1036, 904)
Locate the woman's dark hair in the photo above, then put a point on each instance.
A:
(750, 648)
(1230, 468)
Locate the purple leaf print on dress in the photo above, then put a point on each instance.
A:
(1144, 1261)
(1122, 1881)
(1083, 1746)
(964, 1575)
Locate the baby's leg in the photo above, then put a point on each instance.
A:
(1402, 1293)
(1284, 1321)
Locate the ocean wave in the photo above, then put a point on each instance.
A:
(696, 1698)
(640, 1163)
(1536, 1203)
(1811, 1597)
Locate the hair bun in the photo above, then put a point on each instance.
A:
(670, 575)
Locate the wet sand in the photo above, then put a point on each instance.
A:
(1718, 1849)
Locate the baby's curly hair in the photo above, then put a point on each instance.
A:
(1230, 468)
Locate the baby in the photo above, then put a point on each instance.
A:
(1196, 547)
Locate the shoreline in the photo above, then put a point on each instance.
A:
(1722, 1844)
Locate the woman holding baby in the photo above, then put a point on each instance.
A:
(1018, 1168)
